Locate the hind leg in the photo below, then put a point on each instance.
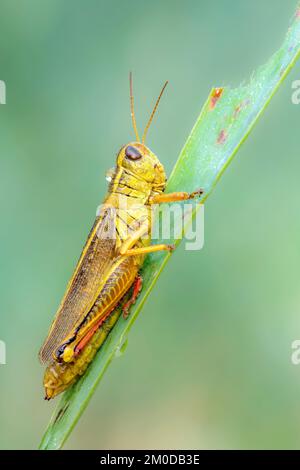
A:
(137, 287)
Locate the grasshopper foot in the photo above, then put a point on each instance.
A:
(196, 193)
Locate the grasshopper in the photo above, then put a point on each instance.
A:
(106, 279)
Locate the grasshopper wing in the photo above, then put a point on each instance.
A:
(82, 289)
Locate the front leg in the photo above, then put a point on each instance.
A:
(174, 197)
(127, 247)
(149, 249)
(133, 238)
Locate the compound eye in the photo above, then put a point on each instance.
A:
(132, 153)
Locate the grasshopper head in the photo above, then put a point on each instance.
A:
(138, 160)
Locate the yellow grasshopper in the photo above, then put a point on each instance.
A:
(106, 280)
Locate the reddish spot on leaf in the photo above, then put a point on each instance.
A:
(216, 95)
(237, 111)
(222, 137)
(239, 108)
(298, 13)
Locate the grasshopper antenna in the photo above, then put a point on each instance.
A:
(132, 108)
(153, 112)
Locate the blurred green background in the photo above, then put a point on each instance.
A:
(208, 363)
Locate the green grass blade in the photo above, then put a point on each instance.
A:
(224, 123)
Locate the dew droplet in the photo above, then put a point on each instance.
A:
(122, 348)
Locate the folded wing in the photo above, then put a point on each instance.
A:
(83, 289)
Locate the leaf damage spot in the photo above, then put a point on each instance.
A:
(222, 137)
(215, 96)
(240, 107)
(237, 110)
(61, 413)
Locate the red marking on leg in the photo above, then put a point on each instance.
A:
(137, 287)
(84, 341)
